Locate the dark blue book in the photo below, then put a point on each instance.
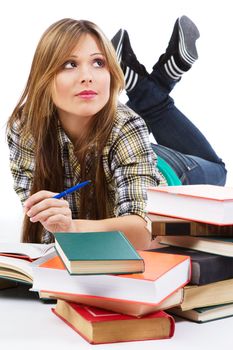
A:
(206, 268)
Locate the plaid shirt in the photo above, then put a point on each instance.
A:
(128, 163)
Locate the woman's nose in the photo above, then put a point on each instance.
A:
(86, 80)
(86, 75)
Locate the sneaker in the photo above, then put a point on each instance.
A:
(181, 52)
(132, 69)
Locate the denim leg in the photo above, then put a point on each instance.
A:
(173, 130)
(191, 169)
(168, 125)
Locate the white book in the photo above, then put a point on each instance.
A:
(19, 268)
(16, 269)
(31, 251)
(204, 203)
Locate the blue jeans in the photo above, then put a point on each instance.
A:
(179, 142)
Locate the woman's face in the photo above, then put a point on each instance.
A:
(82, 87)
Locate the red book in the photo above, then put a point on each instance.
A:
(164, 275)
(100, 326)
(205, 203)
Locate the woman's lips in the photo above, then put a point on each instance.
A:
(87, 94)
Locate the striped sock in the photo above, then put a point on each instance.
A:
(172, 69)
(131, 78)
(132, 69)
(119, 44)
(182, 59)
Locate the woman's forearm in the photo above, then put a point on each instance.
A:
(133, 226)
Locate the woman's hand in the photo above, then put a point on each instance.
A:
(54, 214)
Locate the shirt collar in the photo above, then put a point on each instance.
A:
(63, 139)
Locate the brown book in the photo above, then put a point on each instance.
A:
(100, 326)
(210, 294)
(202, 229)
(213, 245)
(160, 225)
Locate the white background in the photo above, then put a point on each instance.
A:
(204, 94)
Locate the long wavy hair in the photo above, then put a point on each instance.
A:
(38, 118)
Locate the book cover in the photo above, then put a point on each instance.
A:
(98, 252)
(100, 326)
(205, 314)
(205, 203)
(164, 274)
(214, 245)
(205, 267)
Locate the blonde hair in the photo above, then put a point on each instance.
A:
(38, 116)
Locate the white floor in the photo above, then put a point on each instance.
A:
(28, 323)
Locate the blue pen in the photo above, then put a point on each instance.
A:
(72, 189)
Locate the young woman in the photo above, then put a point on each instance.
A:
(69, 127)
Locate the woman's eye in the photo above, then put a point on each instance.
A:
(99, 63)
(70, 65)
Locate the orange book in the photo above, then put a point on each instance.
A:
(204, 203)
(164, 275)
(100, 326)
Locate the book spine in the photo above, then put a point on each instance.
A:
(202, 229)
(172, 325)
(159, 228)
(168, 228)
(72, 326)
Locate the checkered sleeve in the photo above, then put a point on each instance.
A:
(21, 161)
(133, 165)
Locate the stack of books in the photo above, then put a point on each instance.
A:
(105, 289)
(112, 307)
(197, 220)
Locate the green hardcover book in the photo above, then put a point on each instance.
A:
(98, 253)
